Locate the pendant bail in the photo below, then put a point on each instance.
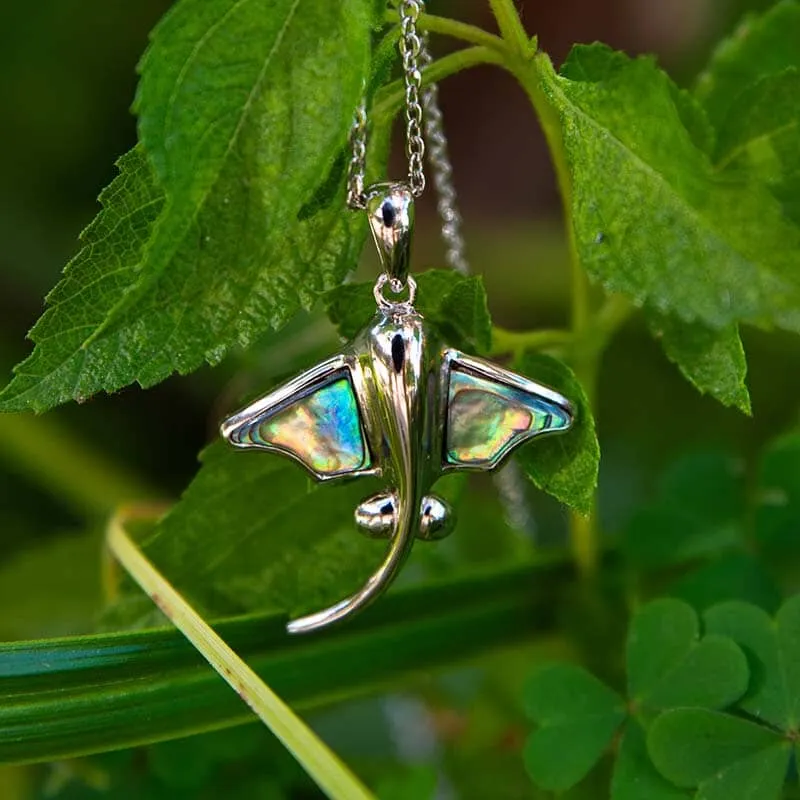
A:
(390, 210)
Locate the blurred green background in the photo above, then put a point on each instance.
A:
(67, 80)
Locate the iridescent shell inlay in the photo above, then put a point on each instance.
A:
(486, 419)
(322, 429)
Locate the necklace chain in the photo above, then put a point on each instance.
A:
(411, 47)
(442, 169)
(358, 160)
(421, 110)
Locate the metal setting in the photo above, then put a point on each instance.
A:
(390, 210)
(401, 377)
(394, 305)
(398, 404)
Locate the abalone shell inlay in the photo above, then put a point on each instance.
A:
(322, 429)
(486, 420)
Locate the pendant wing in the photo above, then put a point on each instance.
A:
(313, 419)
(490, 411)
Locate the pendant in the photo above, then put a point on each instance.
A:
(398, 404)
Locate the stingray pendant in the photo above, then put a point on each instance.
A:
(399, 404)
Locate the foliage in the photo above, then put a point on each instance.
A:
(669, 665)
(684, 692)
(226, 231)
(146, 296)
(122, 688)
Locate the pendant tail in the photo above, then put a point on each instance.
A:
(399, 548)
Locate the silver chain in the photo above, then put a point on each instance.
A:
(358, 160)
(439, 159)
(415, 54)
(410, 50)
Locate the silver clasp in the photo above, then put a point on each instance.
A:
(390, 210)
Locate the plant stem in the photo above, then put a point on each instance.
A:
(584, 533)
(453, 28)
(511, 28)
(390, 98)
(505, 341)
(611, 316)
(587, 348)
(321, 763)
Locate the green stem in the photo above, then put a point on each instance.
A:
(589, 333)
(587, 346)
(584, 533)
(319, 761)
(505, 341)
(51, 456)
(611, 317)
(454, 29)
(391, 96)
(511, 28)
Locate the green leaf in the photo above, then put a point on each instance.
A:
(661, 535)
(244, 110)
(577, 716)
(778, 509)
(698, 513)
(760, 135)
(241, 108)
(709, 485)
(199, 108)
(60, 368)
(252, 531)
(727, 757)
(788, 192)
(635, 777)
(564, 466)
(773, 649)
(416, 783)
(593, 63)
(65, 697)
(736, 576)
(49, 600)
(244, 763)
(751, 91)
(694, 119)
(759, 777)
(660, 635)
(712, 360)
(670, 665)
(713, 674)
(764, 126)
(454, 305)
(762, 45)
(651, 218)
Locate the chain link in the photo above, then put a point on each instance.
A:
(442, 168)
(410, 50)
(358, 159)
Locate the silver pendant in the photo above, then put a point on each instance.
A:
(398, 404)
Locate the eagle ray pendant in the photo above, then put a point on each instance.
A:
(398, 404)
